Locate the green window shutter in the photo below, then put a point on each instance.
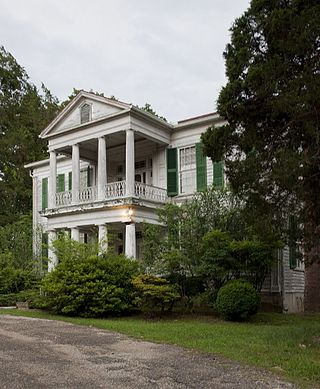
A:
(70, 181)
(201, 168)
(60, 183)
(293, 247)
(44, 193)
(172, 172)
(218, 174)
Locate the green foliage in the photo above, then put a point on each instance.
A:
(271, 104)
(31, 296)
(147, 108)
(76, 91)
(69, 250)
(207, 242)
(85, 284)
(224, 259)
(155, 294)
(16, 242)
(12, 278)
(18, 271)
(237, 300)
(24, 112)
(255, 258)
(185, 227)
(217, 265)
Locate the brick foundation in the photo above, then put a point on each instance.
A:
(312, 288)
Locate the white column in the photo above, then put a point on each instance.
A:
(130, 244)
(130, 171)
(52, 258)
(103, 238)
(75, 234)
(102, 167)
(52, 180)
(75, 173)
(36, 230)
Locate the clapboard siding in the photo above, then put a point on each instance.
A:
(293, 278)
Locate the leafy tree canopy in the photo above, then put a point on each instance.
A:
(76, 91)
(24, 112)
(147, 108)
(271, 141)
(207, 240)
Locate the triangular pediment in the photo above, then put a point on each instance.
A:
(70, 117)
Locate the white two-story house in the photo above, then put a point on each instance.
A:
(111, 165)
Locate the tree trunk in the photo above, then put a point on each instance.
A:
(312, 259)
(312, 287)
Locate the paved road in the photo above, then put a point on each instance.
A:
(38, 353)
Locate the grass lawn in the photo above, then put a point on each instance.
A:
(286, 344)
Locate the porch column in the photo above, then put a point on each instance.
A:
(103, 238)
(130, 163)
(102, 167)
(52, 258)
(130, 243)
(75, 173)
(52, 180)
(75, 234)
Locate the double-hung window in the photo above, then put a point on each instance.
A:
(187, 170)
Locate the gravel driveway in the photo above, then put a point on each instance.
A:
(37, 353)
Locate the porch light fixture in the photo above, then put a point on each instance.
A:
(128, 213)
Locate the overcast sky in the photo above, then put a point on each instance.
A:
(166, 52)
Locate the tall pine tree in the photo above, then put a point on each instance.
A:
(271, 102)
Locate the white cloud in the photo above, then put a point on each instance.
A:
(167, 53)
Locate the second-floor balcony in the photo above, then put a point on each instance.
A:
(111, 191)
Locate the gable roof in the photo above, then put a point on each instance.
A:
(88, 96)
(82, 95)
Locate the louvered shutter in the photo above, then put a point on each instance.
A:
(44, 193)
(172, 173)
(218, 174)
(201, 168)
(85, 113)
(60, 183)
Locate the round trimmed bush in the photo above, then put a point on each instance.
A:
(237, 300)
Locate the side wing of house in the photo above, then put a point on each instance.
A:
(188, 170)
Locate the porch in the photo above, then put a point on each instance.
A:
(110, 191)
(122, 166)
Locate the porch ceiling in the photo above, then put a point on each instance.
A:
(89, 148)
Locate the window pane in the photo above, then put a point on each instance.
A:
(187, 173)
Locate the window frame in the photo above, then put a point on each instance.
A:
(82, 106)
(191, 169)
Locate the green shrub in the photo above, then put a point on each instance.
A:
(8, 299)
(237, 300)
(155, 294)
(93, 286)
(32, 297)
(14, 279)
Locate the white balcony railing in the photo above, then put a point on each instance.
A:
(88, 195)
(150, 192)
(112, 190)
(63, 198)
(115, 189)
